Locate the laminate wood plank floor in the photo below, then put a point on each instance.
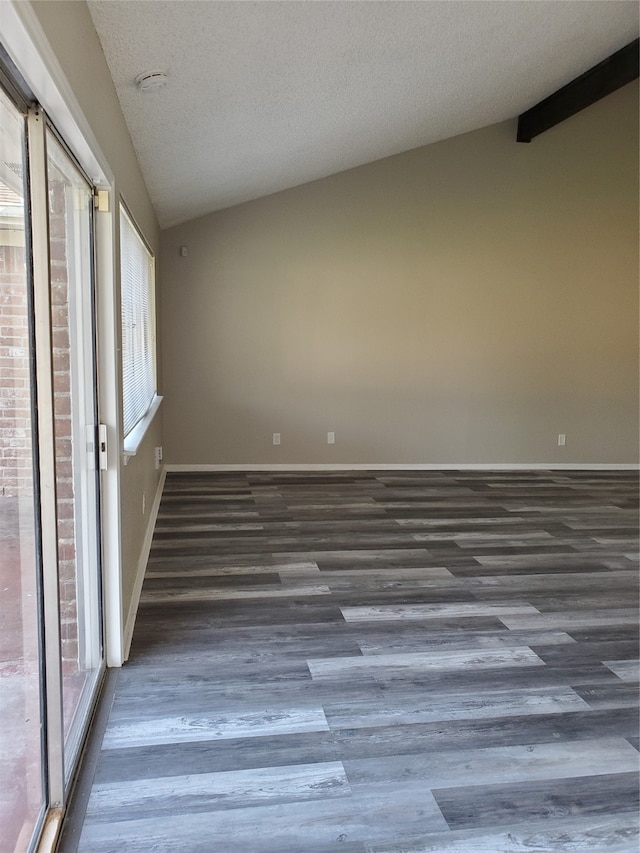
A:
(380, 662)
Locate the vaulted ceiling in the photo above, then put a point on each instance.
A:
(266, 95)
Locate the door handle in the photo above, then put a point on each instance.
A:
(102, 446)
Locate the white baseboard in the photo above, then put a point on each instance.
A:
(142, 567)
(454, 466)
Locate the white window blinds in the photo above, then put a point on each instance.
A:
(138, 324)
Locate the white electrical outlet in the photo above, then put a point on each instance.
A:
(158, 456)
(276, 438)
(331, 438)
(144, 503)
(562, 439)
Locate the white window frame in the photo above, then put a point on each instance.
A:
(140, 400)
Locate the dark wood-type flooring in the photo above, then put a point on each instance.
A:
(380, 662)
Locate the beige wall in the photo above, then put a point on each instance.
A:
(465, 302)
(69, 29)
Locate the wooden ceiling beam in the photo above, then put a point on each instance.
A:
(604, 78)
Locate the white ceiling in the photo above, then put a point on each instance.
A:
(267, 95)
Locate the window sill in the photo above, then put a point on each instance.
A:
(135, 438)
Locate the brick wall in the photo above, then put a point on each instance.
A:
(16, 460)
(60, 228)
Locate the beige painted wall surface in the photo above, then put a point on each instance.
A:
(461, 303)
(69, 30)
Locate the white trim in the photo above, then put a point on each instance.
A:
(444, 466)
(142, 567)
(134, 438)
(108, 401)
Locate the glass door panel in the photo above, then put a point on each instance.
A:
(75, 429)
(22, 793)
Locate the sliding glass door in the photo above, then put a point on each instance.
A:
(22, 786)
(51, 655)
(75, 436)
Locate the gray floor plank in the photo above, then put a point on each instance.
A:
(493, 805)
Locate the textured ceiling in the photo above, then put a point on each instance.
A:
(267, 95)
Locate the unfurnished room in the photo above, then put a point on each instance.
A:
(319, 426)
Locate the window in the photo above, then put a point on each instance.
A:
(138, 327)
